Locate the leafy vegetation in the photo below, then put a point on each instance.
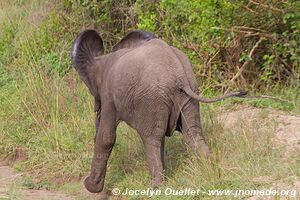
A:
(229, 42)
(47, 111)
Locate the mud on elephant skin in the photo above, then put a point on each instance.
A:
(146, 83)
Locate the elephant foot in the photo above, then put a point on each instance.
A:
(206, 151)
(93, 186)
(104, 195)
(201, 150)
(156, 183)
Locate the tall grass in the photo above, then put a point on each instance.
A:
(44, 111)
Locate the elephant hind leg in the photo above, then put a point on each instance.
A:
(154, 152)
(153, 140)
(192, 130)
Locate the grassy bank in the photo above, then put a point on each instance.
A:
(46, 116)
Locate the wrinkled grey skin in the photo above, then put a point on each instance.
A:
(145, 83)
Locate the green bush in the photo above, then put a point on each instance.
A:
(218, 36)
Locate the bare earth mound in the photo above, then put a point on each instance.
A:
(286, 127)
(286, 130)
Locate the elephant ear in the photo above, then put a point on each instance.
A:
(86, 47)
(133, 39)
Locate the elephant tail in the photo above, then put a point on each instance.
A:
(86, 47)
(192, 94)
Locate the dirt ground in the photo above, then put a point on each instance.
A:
(287, 127)
(10, 187)
(287, 135)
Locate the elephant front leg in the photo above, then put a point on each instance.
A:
(105, 139)
(192, 130)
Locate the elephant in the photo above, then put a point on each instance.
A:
(147, 84)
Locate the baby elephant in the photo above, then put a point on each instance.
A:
(146, 83)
